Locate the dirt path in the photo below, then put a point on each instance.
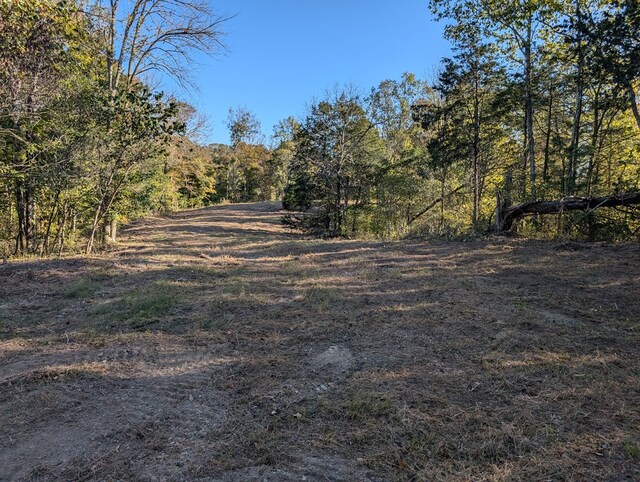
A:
(217, 345)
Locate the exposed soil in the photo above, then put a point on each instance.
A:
(217, 345)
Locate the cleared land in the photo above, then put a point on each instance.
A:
(216, 345)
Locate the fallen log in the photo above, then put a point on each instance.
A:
(507, 215)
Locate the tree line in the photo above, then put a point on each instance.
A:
(536, 105)
(85, 141)
(538, 102)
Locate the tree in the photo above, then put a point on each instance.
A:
(283, 148)
(338, 151)
(188, 174)
(243, 126)
(149, 36)
(145, 36)
(517, 27)
(469, 83)
(133, 131)
(83, 138)
(614, 31)
(507, 215)
(243, 168)
(399, 186)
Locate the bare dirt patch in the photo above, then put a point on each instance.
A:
(217, 345)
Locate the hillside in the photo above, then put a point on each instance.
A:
(215, 344)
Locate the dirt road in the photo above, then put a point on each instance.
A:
(217, 345)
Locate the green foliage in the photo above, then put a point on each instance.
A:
(538, 101)
(338, 151)
(242, 173)
(243, 126)
(79, 148)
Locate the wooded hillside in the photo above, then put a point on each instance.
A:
(537, 103)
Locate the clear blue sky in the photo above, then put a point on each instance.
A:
(283, 53)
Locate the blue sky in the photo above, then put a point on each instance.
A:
(283, 53)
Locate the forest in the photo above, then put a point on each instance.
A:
(538, 103)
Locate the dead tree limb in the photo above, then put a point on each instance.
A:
(434, 203)
(507, 215)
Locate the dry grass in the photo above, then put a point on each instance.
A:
(217, 344)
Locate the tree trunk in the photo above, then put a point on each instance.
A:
(35, 233)
(23, 205)
(442, 196)
(528, 107)
(356, 205)
(60, 235)
(595, 139)
(476, 148)
(94, 229)
(633, 100)
(547, 140)
(572, 166)
(503, 201)
(113, 230)
(47, 232)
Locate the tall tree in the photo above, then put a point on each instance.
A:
(142, 37)
(576, 21)
(615, 33)
(470, 82)
(145, 36)
(517, 27)
(399, 183)
(243, 126)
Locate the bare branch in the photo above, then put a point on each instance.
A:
(159, 35)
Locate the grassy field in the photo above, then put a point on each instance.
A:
(217, 345)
